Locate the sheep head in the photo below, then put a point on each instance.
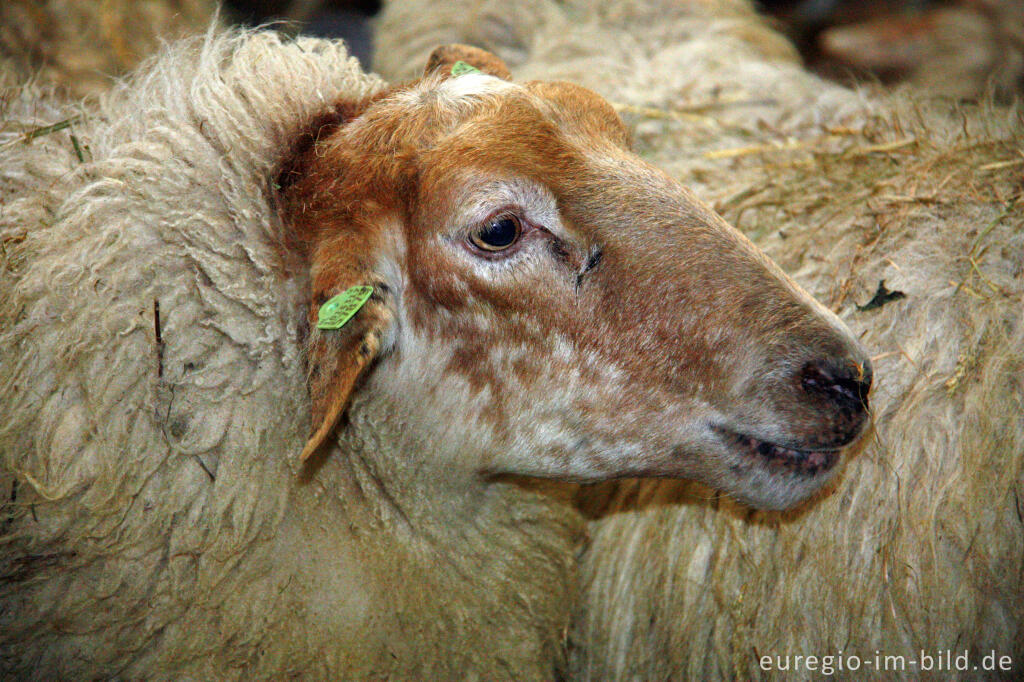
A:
(546, 303)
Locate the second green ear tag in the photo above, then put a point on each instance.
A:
(460, 67)
(339, 309)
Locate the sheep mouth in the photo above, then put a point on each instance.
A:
(780, 458)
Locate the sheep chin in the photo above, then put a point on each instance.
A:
(770, 476)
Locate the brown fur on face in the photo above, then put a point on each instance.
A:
(628, 331)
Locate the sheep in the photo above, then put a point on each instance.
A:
(695, 56)
(80, 45)
(963, 49)
(209, 475)
(903, 215)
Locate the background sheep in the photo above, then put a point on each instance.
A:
(81, 45)
(737, 69)
(918, 547)
(966, 48)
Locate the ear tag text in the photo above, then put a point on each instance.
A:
(460, 67)
(339, 309)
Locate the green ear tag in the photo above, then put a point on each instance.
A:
(460, 67)
(339, 309)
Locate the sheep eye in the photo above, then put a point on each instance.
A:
(497, 234)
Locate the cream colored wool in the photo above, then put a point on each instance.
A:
(919, 545)
(82, 45)
(153, 524)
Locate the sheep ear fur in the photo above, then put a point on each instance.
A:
(336, 246)
(339, 358)
(443, 58)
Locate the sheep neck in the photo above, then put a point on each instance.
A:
(441, 554)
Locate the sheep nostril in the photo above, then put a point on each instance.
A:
(846, 387)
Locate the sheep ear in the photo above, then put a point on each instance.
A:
(446, 57)
(338, 358)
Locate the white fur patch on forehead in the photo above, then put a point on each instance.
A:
(455, 92)
(474, 85)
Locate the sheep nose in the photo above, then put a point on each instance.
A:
(844, 383)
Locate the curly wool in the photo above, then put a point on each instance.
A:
(153, 524)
